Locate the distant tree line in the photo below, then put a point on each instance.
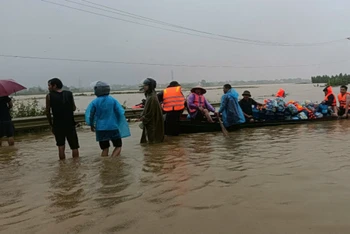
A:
(341, 79)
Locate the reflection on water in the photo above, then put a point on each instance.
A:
(66, 190)
(285, 179)
(113, 181)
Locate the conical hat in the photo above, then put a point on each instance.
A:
(198, 87)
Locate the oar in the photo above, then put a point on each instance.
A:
(223, 129)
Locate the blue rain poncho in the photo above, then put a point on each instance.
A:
(230, 109)
(106, 114)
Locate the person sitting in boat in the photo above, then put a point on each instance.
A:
(198, 106)
(173, 104)
(344, 101)
(281, 93)
(140, 105)
(229, 107)
(246, 104)
(330, 100)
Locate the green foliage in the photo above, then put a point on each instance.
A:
(341, 79)
(27, 108)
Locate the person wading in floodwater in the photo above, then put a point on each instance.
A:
(152, 116)
(62, 105)
(6, 125)
(106, 117)
(173, 104)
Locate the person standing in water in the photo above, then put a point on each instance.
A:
(173, 104)
(62, 105)
(152, 116)
(106, 118)
(229, 107)
(6, 125)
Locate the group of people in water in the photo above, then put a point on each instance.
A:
(160, 116)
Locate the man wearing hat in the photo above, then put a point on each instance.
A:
(198, 106)
(246, 104)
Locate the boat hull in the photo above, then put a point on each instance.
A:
(188, 126)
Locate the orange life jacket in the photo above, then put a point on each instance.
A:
(281, 93)
(173, 100)
(310, 114)
(334, 103)
(297, 105)
(199, 100)
(342, 99)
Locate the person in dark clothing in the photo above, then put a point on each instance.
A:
(61, 104)
(246, 104)
(173, 105)
(152, 116)
(330, 100)
(6, 125)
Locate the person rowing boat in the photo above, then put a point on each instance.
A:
(198, 106)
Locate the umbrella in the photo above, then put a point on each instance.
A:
(8, 87)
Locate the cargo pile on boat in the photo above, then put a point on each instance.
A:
(278, 109)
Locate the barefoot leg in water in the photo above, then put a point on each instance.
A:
(61, 152)
(117, 143)
(105, 152)
(116, 151)
(11, 141)
(75, 153)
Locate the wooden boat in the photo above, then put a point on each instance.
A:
(190, 126)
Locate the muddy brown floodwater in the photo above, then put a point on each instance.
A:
(287, 179)
(290, 179)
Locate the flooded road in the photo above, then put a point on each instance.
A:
(289, 179)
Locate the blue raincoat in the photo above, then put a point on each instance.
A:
(106, 114)
(230, 109)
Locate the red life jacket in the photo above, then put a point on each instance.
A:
(281, 93)
(199, 101)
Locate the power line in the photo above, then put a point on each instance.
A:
(128, 14)
(133, 22)
(211, 35)
(139, 17)
(165, 64)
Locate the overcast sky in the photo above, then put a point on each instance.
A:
(37, 28)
